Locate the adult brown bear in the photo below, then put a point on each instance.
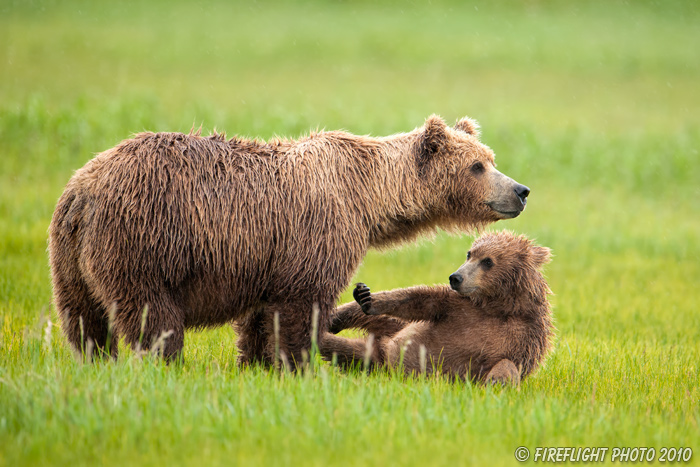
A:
(202, 230)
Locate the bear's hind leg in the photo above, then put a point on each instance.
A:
(84, 321)
(162, 331)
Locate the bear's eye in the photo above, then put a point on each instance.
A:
(477, 168)
(487, 262)
(469, 254)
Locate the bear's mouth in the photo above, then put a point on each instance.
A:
(467, 291)
(505, 213)
(508, 214)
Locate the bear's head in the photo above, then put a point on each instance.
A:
(504, 269)
(460, 170)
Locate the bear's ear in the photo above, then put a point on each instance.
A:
(541, 255)
(433, 140)
(469, 126)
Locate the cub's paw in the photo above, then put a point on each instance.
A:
(363, 297)
(505, 373)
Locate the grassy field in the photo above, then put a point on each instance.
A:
(593, 105)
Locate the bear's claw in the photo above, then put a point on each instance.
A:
(363, 297)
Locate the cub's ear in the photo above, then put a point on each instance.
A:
(469, 126)
(541, 255)
(433, 140)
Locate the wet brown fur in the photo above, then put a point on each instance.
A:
(205, 230)
(500, 332)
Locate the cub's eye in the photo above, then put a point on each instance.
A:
(469, 254)
(487, 262)
(477, 168)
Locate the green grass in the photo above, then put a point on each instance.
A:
(591, 104)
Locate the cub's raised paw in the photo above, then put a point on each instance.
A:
(363, 297)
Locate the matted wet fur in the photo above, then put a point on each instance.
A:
(203, 230)
(493, 324)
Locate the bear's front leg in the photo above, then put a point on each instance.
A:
(504, 372)
(363, 297)
(419, 303)
(289, 341)
(351, 316)
(253, 334)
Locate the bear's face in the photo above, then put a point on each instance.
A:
(502, 265)
(455, 161)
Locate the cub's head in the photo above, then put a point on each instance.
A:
(505, 268)
(471, 192)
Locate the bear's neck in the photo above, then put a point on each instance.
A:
(522, 305)
(376, 177)
(401, 203)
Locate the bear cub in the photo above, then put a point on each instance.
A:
(492, 324)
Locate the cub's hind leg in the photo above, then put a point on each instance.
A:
(504, 372)
(351, 352)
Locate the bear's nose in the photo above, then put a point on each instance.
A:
(522, 191)
(455, 280)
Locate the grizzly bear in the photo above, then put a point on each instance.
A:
(493, 324)
(169, 231)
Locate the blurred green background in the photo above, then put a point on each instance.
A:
(593, 105)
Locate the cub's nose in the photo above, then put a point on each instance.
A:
(522, 191)
(455, 280)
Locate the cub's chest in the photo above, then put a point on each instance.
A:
(478, 334)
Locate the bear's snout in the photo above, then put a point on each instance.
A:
(507, 197)
(522, 191)
(456, 280)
